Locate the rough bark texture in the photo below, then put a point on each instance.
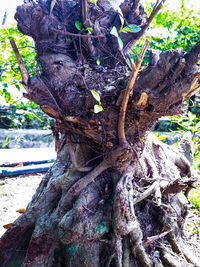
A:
(115, 196)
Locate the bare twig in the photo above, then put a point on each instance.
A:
(22, 67)
(152, 239)
(90, 211)
(77, 34)
(129, 87)
(85, 13)
(155, 10)
(25, 74)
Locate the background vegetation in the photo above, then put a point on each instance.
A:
(15, 110)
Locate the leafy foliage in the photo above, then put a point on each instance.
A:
(190, 122)
(171, 29)
(10, 74)
(24, 115)
(18, 113)
(175, 29)
(194, 197)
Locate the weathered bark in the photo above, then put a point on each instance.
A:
(115, 196)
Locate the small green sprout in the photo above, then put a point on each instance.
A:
(116, 34)
(93, 1)
(97, 108)
(78, 25)
(89, 30)
(98, 62)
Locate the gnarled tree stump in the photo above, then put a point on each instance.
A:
(115, 196)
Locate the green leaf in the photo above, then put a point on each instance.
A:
(98, 108)
(17, 86)
(120, 43)
(5, 142)
(89, 29)
(162, 137)
(78, 25)
(68, 40)
(114, 31)
(38, 118)
(131, 28)
(93, 1)
(98, 62)
(96, 96)
(30, 115)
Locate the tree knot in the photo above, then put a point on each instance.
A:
(119, 156)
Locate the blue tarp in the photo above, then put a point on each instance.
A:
(13, 171)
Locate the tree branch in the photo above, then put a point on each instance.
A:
(131, 82)
(22, 67)
(155, 10)
(154, 238)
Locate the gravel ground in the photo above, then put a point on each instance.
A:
(17, 192)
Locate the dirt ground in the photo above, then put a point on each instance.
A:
(17, 192)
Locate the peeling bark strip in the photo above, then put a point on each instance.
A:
(115, 197)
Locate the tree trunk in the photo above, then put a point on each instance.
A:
(115, 196)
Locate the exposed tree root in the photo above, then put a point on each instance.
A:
(54, 215)
(169, 260)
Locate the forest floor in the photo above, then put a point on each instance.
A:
(16, 193)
